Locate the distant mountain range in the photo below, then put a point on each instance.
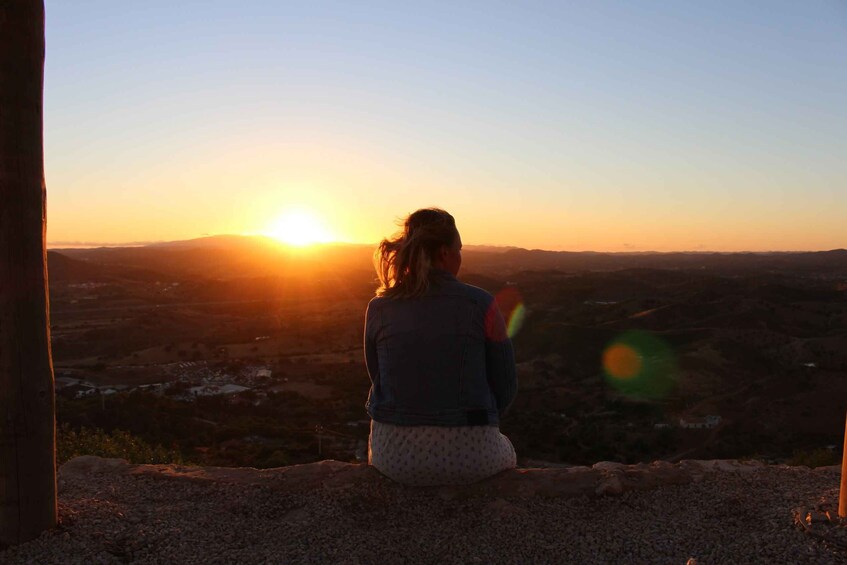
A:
(232, 256)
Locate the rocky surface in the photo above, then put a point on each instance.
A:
(708, 511)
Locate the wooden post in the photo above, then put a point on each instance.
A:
(27, 421)
(842, 493)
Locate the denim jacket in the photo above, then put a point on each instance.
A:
(440, 360)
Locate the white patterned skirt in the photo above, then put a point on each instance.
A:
(438, 455)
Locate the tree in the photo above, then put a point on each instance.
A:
(27, 404)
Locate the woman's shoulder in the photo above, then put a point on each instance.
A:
(474, 293)
(478, 293)
(376, 302)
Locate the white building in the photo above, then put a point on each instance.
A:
(212, 390)
(706, 423)
(85, 390)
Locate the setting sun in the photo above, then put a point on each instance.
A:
(298, 227)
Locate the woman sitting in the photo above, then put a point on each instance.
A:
(441, 365)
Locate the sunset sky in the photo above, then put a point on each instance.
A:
(591, 125)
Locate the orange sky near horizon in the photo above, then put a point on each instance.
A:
(359, 202)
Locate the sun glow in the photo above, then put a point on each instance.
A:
(298, 228)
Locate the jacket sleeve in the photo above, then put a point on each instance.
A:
(371, 361)
(499, 359)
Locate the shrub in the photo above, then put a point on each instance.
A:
(814, 458)
(278, 458)
(93, 441)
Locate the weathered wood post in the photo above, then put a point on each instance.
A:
(27, 408)
(842, 493)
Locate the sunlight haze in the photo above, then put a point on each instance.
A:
(299, 227)
(601, 126)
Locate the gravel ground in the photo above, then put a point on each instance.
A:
(725, 518)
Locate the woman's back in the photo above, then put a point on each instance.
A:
(441, 359)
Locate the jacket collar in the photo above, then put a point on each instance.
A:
(442, 274)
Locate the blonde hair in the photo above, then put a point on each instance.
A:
(404, 263)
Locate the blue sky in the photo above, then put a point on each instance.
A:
(569, 125)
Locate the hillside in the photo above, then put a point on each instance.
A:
(709, 511)
(755, 341)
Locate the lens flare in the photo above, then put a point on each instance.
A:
(510, 302)
(621, 361)
(640, 364)
(515, 321)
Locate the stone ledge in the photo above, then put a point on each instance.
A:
(602, 479)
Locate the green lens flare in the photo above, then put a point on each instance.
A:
(640, 365)
(511, 305)
(515, 320)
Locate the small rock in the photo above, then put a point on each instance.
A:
(611, 486)
(608, 466)
(815, 517)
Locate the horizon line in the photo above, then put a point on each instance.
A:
(58, 245)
